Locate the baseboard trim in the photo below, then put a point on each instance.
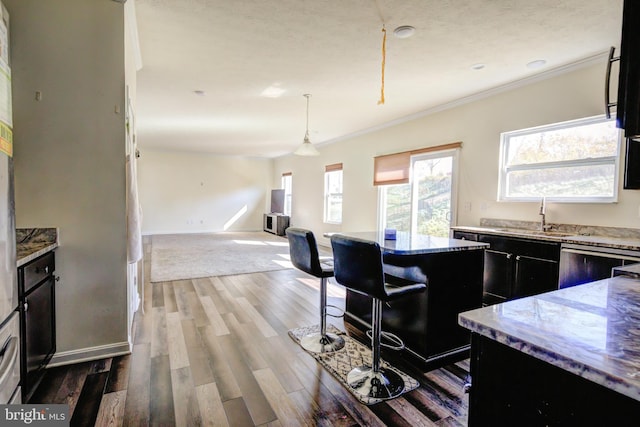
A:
(89, 353)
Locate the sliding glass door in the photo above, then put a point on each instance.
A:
(425, 205)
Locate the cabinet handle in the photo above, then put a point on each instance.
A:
(509, 256)
(26, 305)
(518, 258)
(44, 270)
(607, 82)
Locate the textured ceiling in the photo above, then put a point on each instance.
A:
(235, 49)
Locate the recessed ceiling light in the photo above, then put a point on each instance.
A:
(538, 63)
(199, 92)
(273, 91)
(477, 67)
(404, 31)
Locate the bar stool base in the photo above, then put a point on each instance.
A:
(384, 384)
(318, 343)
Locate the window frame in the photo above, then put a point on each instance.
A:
(329, 170)
(503, 169)
(287, 178)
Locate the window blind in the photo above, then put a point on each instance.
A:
(394, 168)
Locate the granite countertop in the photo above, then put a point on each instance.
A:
(34, 242)
(589, 330)
(609, 237)
(416, 244)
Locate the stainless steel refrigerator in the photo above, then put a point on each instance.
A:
(9, 323)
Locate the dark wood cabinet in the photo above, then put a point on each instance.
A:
(534, 276)
(583, 264)
(498, 276)
(36, 291)
(628, 100)
(516, 267)
(511, 388)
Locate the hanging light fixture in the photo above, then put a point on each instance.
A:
(307, 149)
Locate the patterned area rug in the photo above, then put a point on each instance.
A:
(354, 354)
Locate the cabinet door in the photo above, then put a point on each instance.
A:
(534, 276)
(39, 333)
(498, 273)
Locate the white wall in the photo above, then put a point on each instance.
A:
(70, 158)
(478, 125)
(186, 192)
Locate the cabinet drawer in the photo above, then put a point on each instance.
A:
(465, 235)
(37, 270)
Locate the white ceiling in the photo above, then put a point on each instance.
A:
(235, 49)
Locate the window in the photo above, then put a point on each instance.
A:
(426, 204)
(287, 179)
(333, 194)
(574, 161)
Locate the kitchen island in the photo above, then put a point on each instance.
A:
(567, 357)
(427, 322)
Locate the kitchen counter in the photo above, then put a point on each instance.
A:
(590, 331)
(415, 244)
(427, 322)
(609, 237)
(34, 242)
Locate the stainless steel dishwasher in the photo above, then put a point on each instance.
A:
(583, 263)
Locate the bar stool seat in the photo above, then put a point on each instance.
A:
(358, 266)
(304, 256)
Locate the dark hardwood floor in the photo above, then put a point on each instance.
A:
(216, 351)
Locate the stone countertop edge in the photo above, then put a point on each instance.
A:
(34, 242)
(618, 242)
(34, 253)
(415, 244)
(594, 341)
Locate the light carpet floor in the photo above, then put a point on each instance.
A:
(190, 256)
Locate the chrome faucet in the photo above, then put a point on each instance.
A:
(542, 213)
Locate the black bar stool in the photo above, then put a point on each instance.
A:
(358, 266)
(304, 256)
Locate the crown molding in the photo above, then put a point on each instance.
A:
(599, 58)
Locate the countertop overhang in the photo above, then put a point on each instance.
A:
(590, 330)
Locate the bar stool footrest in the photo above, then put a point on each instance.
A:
(397, 343)
(342, 312)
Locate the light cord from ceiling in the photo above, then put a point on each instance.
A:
(384, 55)
(306, 134)
(384, 51)
(307, 149)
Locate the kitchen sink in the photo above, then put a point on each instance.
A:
(550, 233)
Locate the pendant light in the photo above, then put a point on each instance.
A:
(307, 149)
